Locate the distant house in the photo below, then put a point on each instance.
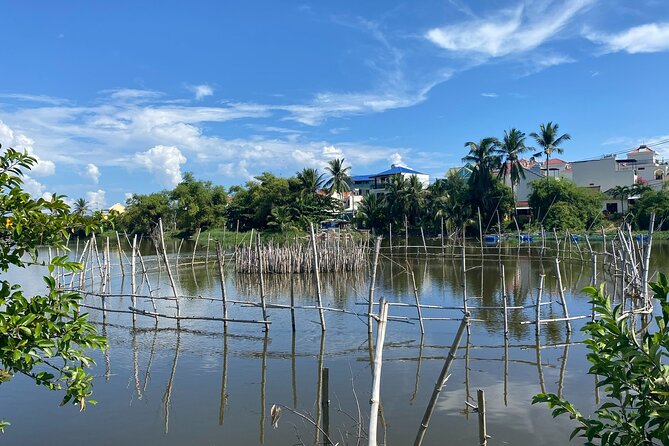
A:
(118, 208)
(380, 179)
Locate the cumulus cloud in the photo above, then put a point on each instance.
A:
(96, 199)
(19, 141)
(649, 38)
(92, 172)
(34, 188)
(396, 159)
(509, 31)
(164, 162)
(332, 152)
(201, 91)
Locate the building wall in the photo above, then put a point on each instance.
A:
(604, 173)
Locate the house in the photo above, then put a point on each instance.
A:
(380, 179)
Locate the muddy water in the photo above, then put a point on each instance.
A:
(201, 386)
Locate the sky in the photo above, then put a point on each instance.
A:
(123, 97)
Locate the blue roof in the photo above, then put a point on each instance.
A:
(397, 169)
(361, 178)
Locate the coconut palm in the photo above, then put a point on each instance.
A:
(483, 158)
(510, 148)
(415, 195)
(549, 142)
(310, 181)
(372, 211)
(340, 179)
(397, 197)
(623, 193)
(80, 206)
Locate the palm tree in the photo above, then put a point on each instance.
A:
(397, 197)
(622, 192)
(510, 148)
(415, 195)
(310, 180)
(339, 180)
(549, 142)
(372, 211)
(80, 206)
(483, 158)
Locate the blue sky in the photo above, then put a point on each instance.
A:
(124, 97)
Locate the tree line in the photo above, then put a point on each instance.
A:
(484, 189)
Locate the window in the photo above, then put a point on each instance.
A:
(659, 175)
(612, 208)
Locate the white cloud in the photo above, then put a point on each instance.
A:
(96, 199)
(332, 152)
(489, 95)
(510, 31)
(19, 141)
(93, 172)
(201, 91)
(132, 94)
(649, 38)
(128, 195)
(396, 159)
(164, 162)
(34, 187)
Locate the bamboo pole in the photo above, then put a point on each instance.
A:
(376, 381)
(441, 381)
(262, 280)
(538, 310)
(422, 234)
(504, 299)
(133, 285)
(292, 291)
(372, 284)
(483, 434)
(197, 239)
(224, 383)
(318, 278)
(221, 271)
(561, 292)
(169, 271)
(120, 254)
(415, 294)
(480, 229)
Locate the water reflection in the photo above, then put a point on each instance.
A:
(219, 384)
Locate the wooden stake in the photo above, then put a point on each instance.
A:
(376, 381)
(169, 271)
(441, 381)
(372, 284)
(221, 271)
(262, 280)
(483, 435)
(561, 291)
(132, 278)
(538, 312)
(415, 294)
(318, 278)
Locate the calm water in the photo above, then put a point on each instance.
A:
(201, 387)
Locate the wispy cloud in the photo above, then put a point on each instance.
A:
(509, 31)
(649, 38)
(489, 95)
(201, 91)
(37, 98)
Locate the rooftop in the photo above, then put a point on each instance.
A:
(394, 169)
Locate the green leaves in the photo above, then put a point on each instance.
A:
(42, 337)
(634, 376)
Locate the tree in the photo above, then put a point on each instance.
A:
(372, 212)
(511, 147)
(559, 203)
(656, 201)
(198, 204)
(310, 181)
(397, 198)
(340, 179)
(549, 142)
(143, 212)
(633, 373)
(483, 158)
(80, 206)
(42, 337)
(622, 192)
